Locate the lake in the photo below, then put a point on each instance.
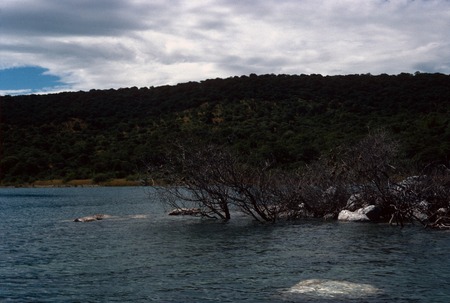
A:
(141, 254)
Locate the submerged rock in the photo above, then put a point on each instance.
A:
(91, 218)
(184, 212)
(138, 216)
(333, 288)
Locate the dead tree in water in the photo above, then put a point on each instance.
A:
(213, 180)
(195, 181)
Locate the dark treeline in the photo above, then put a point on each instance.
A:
(286, 120)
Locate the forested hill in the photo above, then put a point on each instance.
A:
(288, 119)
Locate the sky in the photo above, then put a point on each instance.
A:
(50, 46)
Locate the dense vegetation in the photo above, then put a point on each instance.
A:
(287, 120)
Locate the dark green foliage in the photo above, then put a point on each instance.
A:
(286, 120)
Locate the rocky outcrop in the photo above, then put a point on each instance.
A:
(91, 218)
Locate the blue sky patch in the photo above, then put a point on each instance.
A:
(28, 79)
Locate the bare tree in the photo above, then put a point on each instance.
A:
(373, 166)
(195, 178)
(214, 181)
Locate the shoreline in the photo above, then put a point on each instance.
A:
(73, 183)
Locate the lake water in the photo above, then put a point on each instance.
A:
(143, 255)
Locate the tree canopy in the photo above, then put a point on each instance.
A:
(288, 120)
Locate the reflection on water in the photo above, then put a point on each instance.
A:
(142, 255)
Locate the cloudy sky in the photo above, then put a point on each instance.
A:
(55, 45)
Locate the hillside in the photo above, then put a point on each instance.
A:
(290, 120)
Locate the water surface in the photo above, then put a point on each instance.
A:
(143, 255)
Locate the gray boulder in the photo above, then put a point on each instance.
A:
(354, 202)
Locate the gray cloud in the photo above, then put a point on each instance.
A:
(115, 43)
(79, 18)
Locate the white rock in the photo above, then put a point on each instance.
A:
(346, 215)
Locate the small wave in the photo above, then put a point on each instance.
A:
(138, 216)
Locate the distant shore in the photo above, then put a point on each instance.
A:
(76, 183)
